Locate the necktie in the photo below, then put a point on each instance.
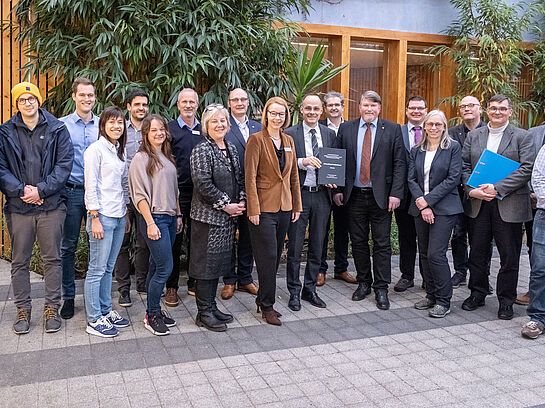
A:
(365, 167)
(314, 141)
(417, 134)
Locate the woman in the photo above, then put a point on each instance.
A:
(153, 184)
(218, 198)
(106, 199)
(435, 167)
(274, 198)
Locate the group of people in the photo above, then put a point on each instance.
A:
(147, 189)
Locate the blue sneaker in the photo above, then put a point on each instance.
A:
(102, 328)
(116, 319)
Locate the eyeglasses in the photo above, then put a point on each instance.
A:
(416, 108)
(213, 107)
(277, 114)
(469, 106)
(430, 125)
(31, 100)
(333, 105)
(238, 100)
(495, 109)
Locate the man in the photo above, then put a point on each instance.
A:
(134, 244)
(375, 184)
(334, 108)
(415, 110)
(308, 136)
(497, 210)
(241, 129)
(470, 112)
(36, 157)
(185, 132)
(83, 128)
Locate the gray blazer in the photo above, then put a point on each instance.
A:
(516, 144)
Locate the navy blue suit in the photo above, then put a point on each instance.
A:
(243, 257)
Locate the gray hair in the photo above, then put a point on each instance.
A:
(445, 141)
(212, 110)
(334, 94)
(372, 96)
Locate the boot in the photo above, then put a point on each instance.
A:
(205, 316)
(222, 317)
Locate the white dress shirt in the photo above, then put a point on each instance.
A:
(106, 182)
(427, 167)
(310, 179)
(243, 127)
(332, 126)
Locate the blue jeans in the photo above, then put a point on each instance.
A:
(160, 260)
(102, 256)
(75, 213)
(536, 308)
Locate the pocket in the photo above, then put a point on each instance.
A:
(263, 184)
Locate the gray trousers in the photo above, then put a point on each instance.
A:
(23, 230)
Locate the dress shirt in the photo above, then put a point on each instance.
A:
(494, 137)
(410, 130)
(428, 159)
(182, 123)
(310, 179)
(538, 178)
(82, 136)
(243, 127)
(134, 140)
(106, 180)
(361, 135)
(332, 126)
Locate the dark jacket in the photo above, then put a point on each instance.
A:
(445, 173)
(214, 184)
(234, 136)
(183, 140)
(57, 159)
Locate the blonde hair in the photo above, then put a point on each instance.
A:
(211, 111)
(279, 101)
(445, 140)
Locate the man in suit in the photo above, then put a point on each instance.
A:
(308, 136)
(375, 185)
(241, 129)
(470, 112)
(415, 110)
(334, 108)
(491, 217)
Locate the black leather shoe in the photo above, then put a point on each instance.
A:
(403, 284)
(381, 297)
(295, 303)
(313, 299)
(67, 310)
(505, 312)
(362, 291)
(472, 303)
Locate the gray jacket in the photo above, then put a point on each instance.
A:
(516, 144)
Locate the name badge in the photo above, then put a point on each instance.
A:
(196, 132)
(287, 149)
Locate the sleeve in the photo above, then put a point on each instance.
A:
(125, 183)
(466, 162)
(91, 170)
(399, 165)
(139, 182)
(538, 174)
(451, 181)
(201, 162)
(295, 187)
(10, 185)
(251, 163)
(414, 187)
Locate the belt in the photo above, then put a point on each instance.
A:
(313, 189)
(364, 190)
(76, 186)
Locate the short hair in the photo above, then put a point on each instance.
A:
(81, 81)
(212, 110)
(133, 93)
(107, 114)
(372, 96)
(307, 95)
(334, 94)
(499, 98)
(415, 98)
(445, 141)
(188, 90)
(280, 101)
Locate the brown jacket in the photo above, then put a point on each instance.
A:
(266, 189)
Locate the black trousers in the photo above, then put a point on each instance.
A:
(433, 242)
(340, 239)
(407, 243)
(364, 212)
(182, 241)
(508, 237)
(243, 260)
(459, 245)
(267, 243)
(315, 214)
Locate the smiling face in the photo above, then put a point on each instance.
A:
(311, 109)
(276, 115)
(138, 108)
(369, 110)
(188, 102)
(499, 113)
(217, 126)
(238, 102)
(157, 133)
(85, 99)
(434, 128)
(28, 105)
(416, 110)
(333, 107)
(114, 128)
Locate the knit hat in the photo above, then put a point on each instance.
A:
(26, 87)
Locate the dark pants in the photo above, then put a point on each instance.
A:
(181, 243)
(364, 211)
(459, 245)
(316, 210)
(407, 243)
(433, 242)
(75, 214)
(134, 246)
(243, 259)
(160, 260)
(529, 227)
(267, 243)
(508, 237)
(340, 240)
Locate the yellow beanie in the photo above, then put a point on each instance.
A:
(26, 87)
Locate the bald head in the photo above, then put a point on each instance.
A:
(470, 111)
(311, 109)
(238, 103)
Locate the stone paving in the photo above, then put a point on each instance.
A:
(350, 354)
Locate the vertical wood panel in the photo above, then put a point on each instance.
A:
(395, 80)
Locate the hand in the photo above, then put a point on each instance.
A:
(179, 224)
(338, 199)
(295, 216)
(393, 203)
(489, 189)
(153, 232)
(421, 203)
(31, 195)
(533, 200)
(479, 194)
(312, 161)
(127, 223)
(96, 229)
(234, 210)
(427, 215)
(254, 219)
(331, 185)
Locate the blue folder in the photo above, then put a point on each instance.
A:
(491, 168)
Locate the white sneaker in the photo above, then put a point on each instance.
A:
(102, 328)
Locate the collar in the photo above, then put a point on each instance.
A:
(241, 123)
(108, 144)
(497, 130)
(466, 130)
(182, 123)
(131, 125)
(331, 123)
(410, 126)
(306, 128)
(77, 118)
(20, 123)
(374, 123)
